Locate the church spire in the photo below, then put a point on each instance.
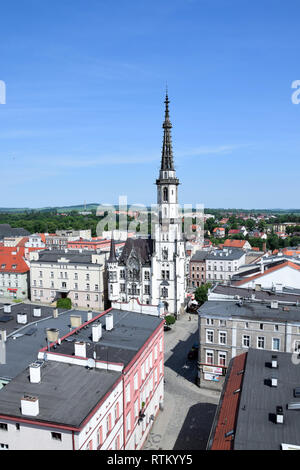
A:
(112, 256)
(167, 152)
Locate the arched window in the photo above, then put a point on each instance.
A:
(165, 195)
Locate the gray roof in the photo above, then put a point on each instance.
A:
(249, 310)
(7, 231)
(74, 257)
(130, 332)
(199, 256)
(287, 295)
(24, 342)
(255, 426)
(225, 255)
(67, 393)
(142, 247)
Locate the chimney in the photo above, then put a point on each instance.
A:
(37, 312)
(89, 315)
(279, 414)
(7, 308)
(274, 304)
(80, 349)
(52, 334)
(109, 322)
(96, 332)
(35, 373)
(75, 321)
(274, 382)
(29, 406)
(274, 362)
(22, 318)
(55, 313)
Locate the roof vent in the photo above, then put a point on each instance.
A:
(96, 332)
(52, 334)
(297, 392)
(37, 312)
(35, 373)
(274, 382)
(89, 315)
(109, 322)
(274, 362)
(7, 308)
(274, 304)
(55, 313)
(75, 321)
(22, 318)
(279, 414)
(29, 406)
(80, 348)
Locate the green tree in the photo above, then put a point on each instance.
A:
(201, 293)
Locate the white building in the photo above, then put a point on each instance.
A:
(60, 274)
(221, 265)
(154, 270)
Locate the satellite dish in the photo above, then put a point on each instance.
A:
(91, 363)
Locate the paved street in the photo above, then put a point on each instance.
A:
(188, 412)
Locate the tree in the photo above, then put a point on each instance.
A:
(64, 304)
(170, 319)
(201, 293)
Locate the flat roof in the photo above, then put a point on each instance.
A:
(25, 341)
(67, 393)
(249, 310)
(130, 332)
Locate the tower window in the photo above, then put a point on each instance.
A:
(165, 195)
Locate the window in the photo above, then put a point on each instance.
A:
(246, 341)
(209, 321)
(108, 423)
(155, 375)
(136, 408)
(128, 393)
(261, 326)
(100, 436)
(160, 367)
(222, 323)
(276, 328)
(128, 423)
(3, 426)
(275, 344)
(260, 342)
(222, 358)
(209, 357)
(122, 288)
(222, 337)
(122, 274)
(155, 352)
(117, 443)
(3, 446)
(147, 290)
(147, 275)
(135, 381)
(56, 436)
(209, 336)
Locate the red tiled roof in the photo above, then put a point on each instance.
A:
(235, 243)
(229, 406)
(12, 256)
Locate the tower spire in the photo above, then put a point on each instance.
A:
(167, 151)
(112, 256)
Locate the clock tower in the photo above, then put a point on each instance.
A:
(169, 257)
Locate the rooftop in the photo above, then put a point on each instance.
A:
(67, 393)
(250, 310)
(254, 426)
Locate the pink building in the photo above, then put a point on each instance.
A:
(99, 387)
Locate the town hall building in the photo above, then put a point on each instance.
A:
(149, 275)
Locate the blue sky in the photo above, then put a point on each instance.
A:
(85, 84)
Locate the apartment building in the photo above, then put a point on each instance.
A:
(197, 269)
(221, 265)
(14, 274)
(78, 276)
(230, 327)
(99, 387)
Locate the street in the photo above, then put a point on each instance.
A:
(188, 413)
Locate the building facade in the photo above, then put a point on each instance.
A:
(78, 276)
